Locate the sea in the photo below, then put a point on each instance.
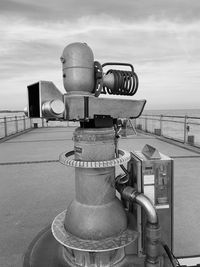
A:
(174, 127)
(174, 112)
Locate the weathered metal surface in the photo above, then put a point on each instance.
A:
(38, 94)
(94, 144)
(98, 221)
(64, 159)
(78, 69)
(95, 213)
(66, 239)
(53, 108)
(44, 250)
(121, 108)
(88, 258)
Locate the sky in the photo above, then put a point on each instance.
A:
(160, 38)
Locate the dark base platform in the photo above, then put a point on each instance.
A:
(43, 251)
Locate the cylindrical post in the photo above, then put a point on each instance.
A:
(133, 125)
(146, 130)
(30, 123)
(161, 124)
(24, 120)
(153, 233)
(95, 206)
(42, 123)
(185, 129)
(16, 124)
(5, 127)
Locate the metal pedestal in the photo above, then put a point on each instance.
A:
(45, 251)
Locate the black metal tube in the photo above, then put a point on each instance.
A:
(125, 82)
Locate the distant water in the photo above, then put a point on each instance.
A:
(178, 112)
(11, 114)
(175, 112)
(174, 127)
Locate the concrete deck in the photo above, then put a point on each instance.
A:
(35, 187)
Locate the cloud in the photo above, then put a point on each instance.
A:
(181, 10)
(17, 31)
(165, 52)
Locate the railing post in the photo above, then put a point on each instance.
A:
(161, 124)
(133, 125)
(31, 123)
(24, 120)
(185, 130)
(16, 124)
(145, 121)
(5, 127)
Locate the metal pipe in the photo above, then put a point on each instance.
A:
(130, 194)
(153, 233)
(145, 202)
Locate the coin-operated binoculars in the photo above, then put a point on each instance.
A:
(96, 229)
(84, 81)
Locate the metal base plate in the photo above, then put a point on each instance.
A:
(44, 250)
(70, 241)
